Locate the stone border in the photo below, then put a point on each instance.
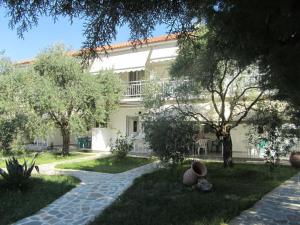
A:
(84, 203)
(280, 206)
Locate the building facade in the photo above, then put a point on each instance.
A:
(136, 67)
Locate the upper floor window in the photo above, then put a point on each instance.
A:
(136, 75)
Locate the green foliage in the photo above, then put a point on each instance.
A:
(17, 121)
(7, 131)
(111, 92)
(6, 65)
(268, 34)
(17, 175)
(160, 198)
(122, 146)
(271, 133)
(170, 136)
(229, 89)
(153, 94)
(11, 130)
(67, 97)
(44, 189)
(107, 165)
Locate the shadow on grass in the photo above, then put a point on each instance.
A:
(15, 205)
(160, 198)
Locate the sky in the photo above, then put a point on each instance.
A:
(47, 33)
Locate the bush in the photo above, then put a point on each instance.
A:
(169, 136)
(123, 145)
(17, 175)
(7, 132)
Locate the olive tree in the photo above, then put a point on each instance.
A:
(16, 120)
(220, 92)
(272, 132)
(68, 97)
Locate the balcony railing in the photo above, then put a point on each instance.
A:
(135, 89)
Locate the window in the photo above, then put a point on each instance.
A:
(135, 126)
(136, 75)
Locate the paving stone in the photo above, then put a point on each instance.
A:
(280, 206)
(33, 223)
(83, 203)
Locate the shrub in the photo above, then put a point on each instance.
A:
(169, 136)
(271, 133)
(7, 132)
(123, 145)
(17, 175)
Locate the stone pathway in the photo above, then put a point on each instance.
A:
(83, 203)
(280, 206)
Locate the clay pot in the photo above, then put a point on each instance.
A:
(295, 159)
(197, 170)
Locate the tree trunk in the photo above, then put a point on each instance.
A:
(227, 150)
(66, 141)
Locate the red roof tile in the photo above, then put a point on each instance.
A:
(157, 39)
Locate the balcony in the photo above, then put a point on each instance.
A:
(133, 90)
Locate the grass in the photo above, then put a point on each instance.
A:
(48, 157)
(15, 205)
(160, 198)
(107, 165)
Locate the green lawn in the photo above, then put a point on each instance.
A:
(107, 165)
(160, 198)
(48, 157)
(15, 205)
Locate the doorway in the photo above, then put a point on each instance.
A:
(132, 125)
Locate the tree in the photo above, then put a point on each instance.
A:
(169, 135)
(271, 131)
(16, 120)
(251, 31)
(111, 93)
(227, 89)
(66, 96)
(264, 32)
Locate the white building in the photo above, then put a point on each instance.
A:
(136, 66)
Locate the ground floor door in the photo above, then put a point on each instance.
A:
(132, 126)
(134, 130)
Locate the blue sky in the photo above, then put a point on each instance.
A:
(47, 33)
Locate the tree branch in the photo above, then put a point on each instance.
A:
(247, 110)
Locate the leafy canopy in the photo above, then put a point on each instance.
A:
(266, 31)
(65, 95)
(228, 90)
(17, 121)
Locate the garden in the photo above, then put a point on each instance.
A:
(16, 204)
(22, 194)
(109, 164)
(236, 65)
(118, 162)
(160, 197)
(47, 157)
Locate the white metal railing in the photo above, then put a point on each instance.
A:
(135, 89)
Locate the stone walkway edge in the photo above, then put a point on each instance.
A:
(280, 206)
(98, 190)
(86, 201)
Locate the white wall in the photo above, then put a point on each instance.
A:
(54, 136)
(240, 144)
(118, 119)
(159, 70)
(101, 139)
